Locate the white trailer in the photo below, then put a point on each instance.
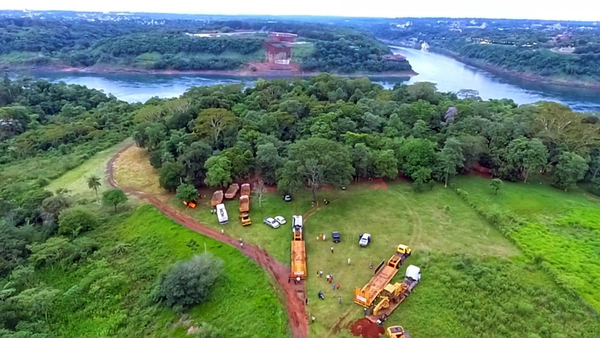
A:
(222, 214)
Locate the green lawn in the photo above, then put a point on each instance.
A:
(560, 229)
(108, 295)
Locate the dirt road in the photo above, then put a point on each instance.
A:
(294, 294)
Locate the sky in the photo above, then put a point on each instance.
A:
(584, 10)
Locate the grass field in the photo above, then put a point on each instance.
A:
(560, 229)
(75, 180)
(109, 294)
(475, 281)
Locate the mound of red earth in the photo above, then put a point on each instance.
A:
(366, 329)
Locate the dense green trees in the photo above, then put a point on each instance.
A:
(75, 220)
(318, 131)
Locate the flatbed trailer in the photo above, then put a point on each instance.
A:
(298, 261)
(365, 296)
(232, 191)
(394, 294)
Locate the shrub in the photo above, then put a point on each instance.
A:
(74, 220)
(188, 282)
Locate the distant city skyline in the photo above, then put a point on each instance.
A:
(578, 10)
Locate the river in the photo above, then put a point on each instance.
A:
(447, 73)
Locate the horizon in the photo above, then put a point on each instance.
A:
(298, 15)
(578, 10)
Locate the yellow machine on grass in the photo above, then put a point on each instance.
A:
(365, 296)
(245, 205)
(396, 332)
(394, 294)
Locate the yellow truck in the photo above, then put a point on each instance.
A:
(298, 268)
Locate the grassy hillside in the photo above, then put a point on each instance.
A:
(108, 295)
(560, 230)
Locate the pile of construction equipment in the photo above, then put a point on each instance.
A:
(385, 295)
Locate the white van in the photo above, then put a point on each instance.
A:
(222, 214)
(297, 223)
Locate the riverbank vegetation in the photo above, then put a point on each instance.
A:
(556, 51)
(327, 130)
(186, 45)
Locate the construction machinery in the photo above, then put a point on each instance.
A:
(217, 198)
(232, 191)
(245, 210)
(190, 204)
(298, 249)
(382, 277)
(245, 189)
(394, 294)
(245, 205)
(396, 332)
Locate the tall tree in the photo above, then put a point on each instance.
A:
(213, 122)
(94, 183)
(268, 162)
(569, 170)
(316, 161)
(186, 192)
(527, 155)
(114, 197)
(218, 171)
(450, 158)
(385, 164)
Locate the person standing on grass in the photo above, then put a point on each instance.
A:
(333, 287)
(340, 300)
(349, 261)
(338, 286)
(320, 273)
(331, 249)
(312, 319)
(370, 265)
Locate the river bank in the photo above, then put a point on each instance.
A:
(517, 74)
(245, 72)
(535, 78)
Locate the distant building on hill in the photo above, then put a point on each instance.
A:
(279, 48)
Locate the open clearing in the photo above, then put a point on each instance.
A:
(475, 282)
(75, 180)
(243, 298)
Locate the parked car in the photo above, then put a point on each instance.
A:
(364, 240)
(280, 220)
(336, 237)
(270, 221)
(287, 198)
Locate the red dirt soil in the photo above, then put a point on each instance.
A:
(366, 328)
(294, 294)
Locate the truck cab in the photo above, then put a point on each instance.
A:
(396, 332)
(403, 250)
